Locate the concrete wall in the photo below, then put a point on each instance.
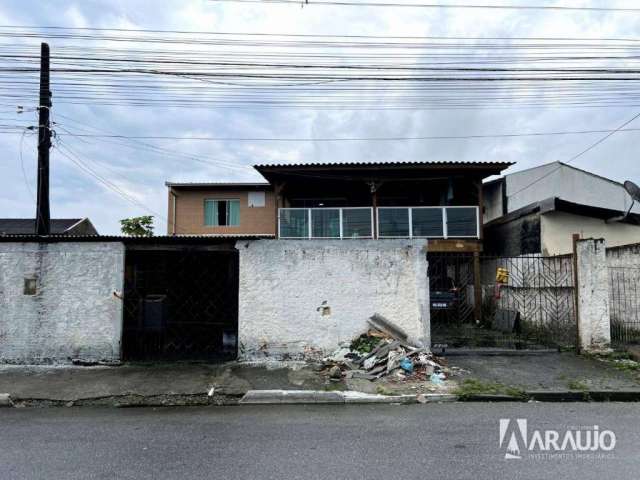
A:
(624, 285)
(73, 313)
(301, 298)
(567, 183)
(189, 216)
(594, 322)
(492, 199)
(624, 256)
(518, 237)
(557, 228)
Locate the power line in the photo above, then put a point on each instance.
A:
(305, 35)
(578, 155)
(149, 147)
(305, 3)
(108, 184)
(345, 139)
(24, 173)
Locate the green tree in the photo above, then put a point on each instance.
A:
(137, 226)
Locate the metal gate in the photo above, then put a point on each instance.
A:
(525, 302)
(624, 302)
(180, 305)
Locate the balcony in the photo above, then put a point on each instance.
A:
(346, 222)
(392, 222)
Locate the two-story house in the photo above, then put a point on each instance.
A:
(537, 210)
(441, 201)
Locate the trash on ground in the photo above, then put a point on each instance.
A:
(437, 378)
(385, 350)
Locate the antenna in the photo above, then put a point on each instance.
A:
(634, 192)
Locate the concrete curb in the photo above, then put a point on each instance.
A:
(584, 396)
(291, 396)
(279, 397)
(5, 400)
(276, 397)
(486, 397)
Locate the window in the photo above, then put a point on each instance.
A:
(222, 213)
(325, 223)
(294, 223)
(256, 199)
(462, 222)
(427, 222)
(393, 222)
(356, 222)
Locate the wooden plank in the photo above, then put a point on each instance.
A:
(452, 245)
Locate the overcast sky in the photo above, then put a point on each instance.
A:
(143, 174)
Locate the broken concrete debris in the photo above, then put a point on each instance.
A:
(384, 350)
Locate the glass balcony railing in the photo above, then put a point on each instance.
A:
(392, 222)
(346, 222)
(428, 222)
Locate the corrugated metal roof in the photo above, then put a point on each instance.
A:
(26, 226)
(385, 164)
(130, 239)
(217, 184)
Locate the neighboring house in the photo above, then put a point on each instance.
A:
(59, 226)
(436, 200)
(539, 209)
(221, 208)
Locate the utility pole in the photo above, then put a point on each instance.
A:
(43, 217)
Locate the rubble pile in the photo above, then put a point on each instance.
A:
(385, 350)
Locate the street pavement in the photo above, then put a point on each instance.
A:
(434, 441)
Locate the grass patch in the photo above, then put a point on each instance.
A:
(382, 390)
(578, 385)
(364, 344)
(626, 365)
(335, 387)
(472, 386)
(619, 360)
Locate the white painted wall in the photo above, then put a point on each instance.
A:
(492, 199)
(555, 180)
(594, 322)
(624, 256)
(556, 229)
(74, 314)
(287, 285)
(570, 184)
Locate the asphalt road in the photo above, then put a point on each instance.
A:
(447, 441)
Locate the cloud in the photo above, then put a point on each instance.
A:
(140, 169)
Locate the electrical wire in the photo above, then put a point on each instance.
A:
(344, 139)
(309, 3)
(24, 173)
(69, 154)
(578, 155)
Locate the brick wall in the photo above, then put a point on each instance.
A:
(189, 216)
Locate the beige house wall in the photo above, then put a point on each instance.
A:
(556, 229)
(189, 212)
